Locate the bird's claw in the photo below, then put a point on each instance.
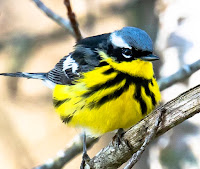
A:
(85, 159)
(118, 139)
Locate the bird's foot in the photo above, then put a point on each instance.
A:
(85, 159)
(118, 139)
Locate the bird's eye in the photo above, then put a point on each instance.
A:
(127, 53)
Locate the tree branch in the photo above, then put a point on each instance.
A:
(177, 110)
(183, 73)
(65, 156)
(73, 21)
(58, 19)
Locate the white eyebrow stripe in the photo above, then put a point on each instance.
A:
(118, 41)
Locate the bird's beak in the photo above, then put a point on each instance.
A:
(150, 57)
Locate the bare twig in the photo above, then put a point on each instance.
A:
(177, 110)
(65, 156)
(183, 73)
(58, 19)
(73, 21)
(136, 156)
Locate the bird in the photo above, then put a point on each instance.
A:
(107, 83)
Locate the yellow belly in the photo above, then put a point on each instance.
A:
(122, 112)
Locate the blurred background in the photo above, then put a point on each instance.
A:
(30, 130)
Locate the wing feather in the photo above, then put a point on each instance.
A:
(83, 59)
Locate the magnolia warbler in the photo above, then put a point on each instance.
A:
(106, 83)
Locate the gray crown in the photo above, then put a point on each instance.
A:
(135, 37)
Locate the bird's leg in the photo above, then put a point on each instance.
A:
(85, 156)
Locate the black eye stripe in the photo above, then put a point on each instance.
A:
(117, 53)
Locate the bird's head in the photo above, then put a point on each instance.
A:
(129, 44)
(130, 50)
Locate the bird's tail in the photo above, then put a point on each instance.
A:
(41, 76)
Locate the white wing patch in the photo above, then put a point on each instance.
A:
(118, 41)
(70, 63)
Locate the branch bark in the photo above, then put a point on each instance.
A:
(176, 111)
(137, 155)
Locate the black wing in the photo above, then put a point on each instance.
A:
(83, 59)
